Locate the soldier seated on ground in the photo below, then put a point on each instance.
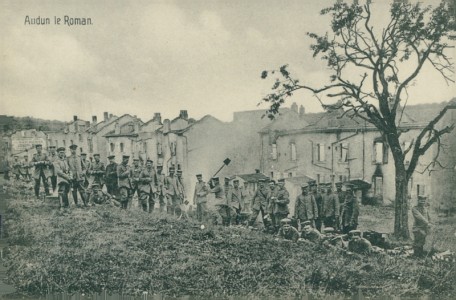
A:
(331, 239)
(309, 233)
(98, 197)
(358, 244)
(287, 232)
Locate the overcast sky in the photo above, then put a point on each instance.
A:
(141, 57)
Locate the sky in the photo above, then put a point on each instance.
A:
(142, 57)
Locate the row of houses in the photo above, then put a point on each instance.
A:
(296, 145)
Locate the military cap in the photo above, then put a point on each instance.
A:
(38, 145)
(215, 178)
(328, 230)
(16, 156)
(125, 156)
(171, 169)
(236, 180)
(26, 155)
(95, 185)
(305, 223)
(135, 159)
(349, 186)
(262, 180)
(281, 180)
(227, 178)
(149, 160)
(285, 221)
(83, 153)
(272, 181)
(111, 156)
(354, 232)
(422, 197)
(304, 186)
(72, 147)
(51, 147)
(312, 182)
(60, 149)
(98, 154)
(159, 167)
(199, 175)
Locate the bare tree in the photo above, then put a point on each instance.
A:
(386, 63)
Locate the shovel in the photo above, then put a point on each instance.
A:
(226, 162)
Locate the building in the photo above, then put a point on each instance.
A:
(323, 145)
(74, 133)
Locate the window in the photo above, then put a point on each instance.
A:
(145, 147)
(420, 189)
(320, 152)
(80, 137)
(56, 143)
(342, 178)
(274, 151)
(290, 174)
(112, 147)
(293, 151)
(343, 152)
(173, 148)
(272, 175)
(90, 143)
(122, 147)
(159, 148)
(71, 142)
(378, 186)
(318, 178)
(64, 143)
(380, 153)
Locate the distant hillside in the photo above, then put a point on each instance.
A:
(10, 124)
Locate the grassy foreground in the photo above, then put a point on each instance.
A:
(87, 250)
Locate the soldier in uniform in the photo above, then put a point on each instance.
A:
(260, 203)
(147, 187)
(124, 184)
(74, 161)
(96, 171)
(25, 169)
(309, 233)
(160, 182)
(237, 200)
(136, 170)
(52, 158)
(85, 166)
(63, 175)
(200, 198)
(288, 232)
(280, 204)
(350, 211)
(98, 197)
(305, 206)
(172, 189)
(17, 167)
(421, 225)
(248, 197)
(41, 162)
(331, 208)
(331, 239)
(358, 244)
(319, 201)
(225, 208)
(111, 176)
(272, 197)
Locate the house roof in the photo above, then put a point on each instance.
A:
(298, 180)
(97, 128)
(255, 177)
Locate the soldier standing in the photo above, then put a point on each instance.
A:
(41, 162)
(305, 206)
(17, 167)
(200, 198)
(280, 205)
(85, 166)
(350, 211)
(225, 210)
(271, 202)
(111, 176)
(96, 171)
(25, 169)
(124, 184)
(319, 201)
(53, 157)
(147, 187)
(248, 197)
(63, 177)
(161, 194)
(421, 225)
(182, 196)
(171, 188)
(331, 208)
(237, 200)
(260, 203)
(77, 180)
(136, 170)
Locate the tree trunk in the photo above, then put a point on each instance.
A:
(401, 229)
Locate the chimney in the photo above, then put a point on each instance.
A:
(94, 120)
(105, 116)
(183, 114)
(294, 107)
(302, 111)
(157, 118)
(110, 116)
(75, 118)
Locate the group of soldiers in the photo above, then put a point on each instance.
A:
(323, 205)
(86, 178)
